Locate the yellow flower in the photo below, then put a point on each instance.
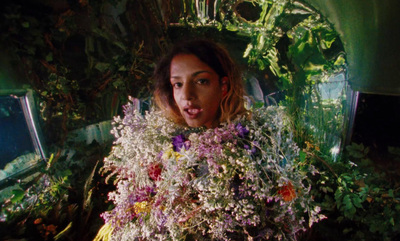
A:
(311, 146)
(170, 153)
(142, 207)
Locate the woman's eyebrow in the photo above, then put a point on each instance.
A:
(200, 72)
(192, 75)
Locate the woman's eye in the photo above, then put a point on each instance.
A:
(177, 85)
(202, 81)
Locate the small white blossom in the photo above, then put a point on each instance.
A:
(171, 180)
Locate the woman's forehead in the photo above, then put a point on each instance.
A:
(189, 64)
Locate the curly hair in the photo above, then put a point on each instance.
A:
(215, 56)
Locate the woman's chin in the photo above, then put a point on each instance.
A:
(196, 124)
(193, 124)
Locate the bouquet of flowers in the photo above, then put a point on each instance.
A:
(239, 181)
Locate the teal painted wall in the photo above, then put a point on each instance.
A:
(370, 32)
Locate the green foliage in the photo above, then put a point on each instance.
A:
(85, 61)
(18, 195)
(78, 59)
(64, 203)
(82, 59)
(296, 47)
(314, 115)
(358, 197)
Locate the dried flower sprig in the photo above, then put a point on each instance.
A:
(240, 180)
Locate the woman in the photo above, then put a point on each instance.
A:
(198, 84)
(209, 171)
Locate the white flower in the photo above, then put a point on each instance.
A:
(213, 186)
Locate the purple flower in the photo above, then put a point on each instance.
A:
(180, 141)
(213, 166)
(253, 148)
(142, 194)
(242, 131)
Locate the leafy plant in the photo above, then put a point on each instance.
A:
(360, 199)
(78, 59)
(60, 205)
(291, 45)
(84, 59)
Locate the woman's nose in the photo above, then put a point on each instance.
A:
(188, 92)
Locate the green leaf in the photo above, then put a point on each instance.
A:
(314, 68)
(122, 68)
(18, 195)
(347, 177)
(366, 161)
(329, 37)
(364, 192)
(232, 27)
(350, 212)
(25, 24)
(329, 189)
(376, 190)
(261, 64)
(390, 193)
(247, 51)
(302, 155)
(347, 230)
(63, 232)
(118, 83)
(366, 150)
(357, 201)
(340, 61)
(102, 67)
(347, 202)
(49, 57)
(338, 197)
(65, 173)
(355, 150)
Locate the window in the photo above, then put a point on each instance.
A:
(21, 147)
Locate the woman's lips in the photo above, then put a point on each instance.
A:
(193, 112)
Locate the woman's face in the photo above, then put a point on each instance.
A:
(196, 89)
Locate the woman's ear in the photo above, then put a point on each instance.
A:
(224, 86)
